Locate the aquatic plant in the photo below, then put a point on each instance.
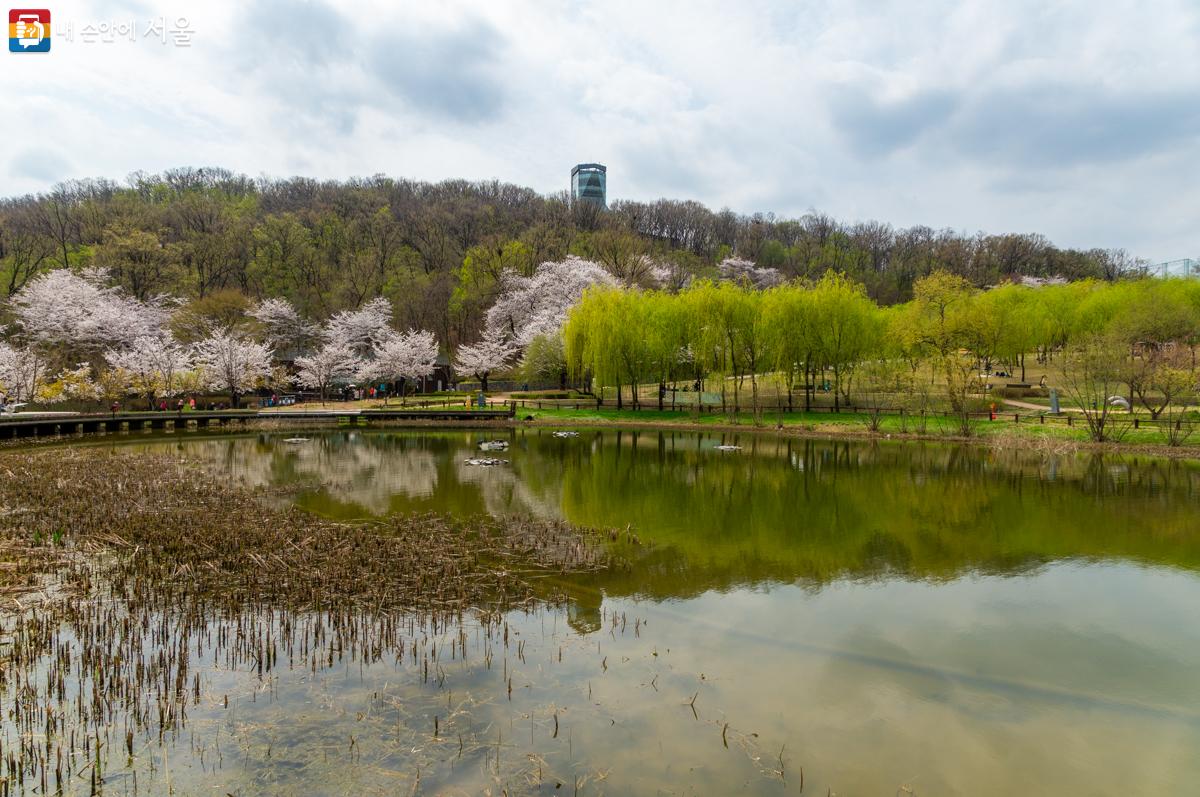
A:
(120, 573)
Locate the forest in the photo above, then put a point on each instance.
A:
(437, 252)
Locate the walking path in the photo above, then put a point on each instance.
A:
(1026, 405)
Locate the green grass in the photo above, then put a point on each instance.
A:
(844, 422)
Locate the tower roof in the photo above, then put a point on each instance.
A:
(599, 167)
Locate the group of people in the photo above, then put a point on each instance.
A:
(352, 393)
(185, 405)
(180, 404)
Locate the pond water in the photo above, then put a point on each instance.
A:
(842, 617)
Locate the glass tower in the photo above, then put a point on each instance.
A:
(589, 183)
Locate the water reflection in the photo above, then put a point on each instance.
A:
(955, 620)
(778, 510)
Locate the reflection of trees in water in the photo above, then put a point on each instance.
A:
(246, 460)
(369, 471)
(364, 471)
(505, 490)
(811, 511)
(780, 509)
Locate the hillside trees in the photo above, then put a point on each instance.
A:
(437, 250)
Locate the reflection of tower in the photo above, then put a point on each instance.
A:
(583, 612)
(589, 183)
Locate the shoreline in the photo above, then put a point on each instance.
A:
(1000, 441)
(1009, 438)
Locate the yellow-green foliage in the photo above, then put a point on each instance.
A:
(734, 333)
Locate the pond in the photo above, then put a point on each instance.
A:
(842, 617)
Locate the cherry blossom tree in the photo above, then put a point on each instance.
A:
(734, 269)
(669, 275)
(282, 325)
(81, 313)
(403, 355)
(22, 372)
(153, 364)
(232, 363)
(361, 329)
(480, 360)
(531, 306)
(319, 370)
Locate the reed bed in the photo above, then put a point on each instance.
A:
(127, 579)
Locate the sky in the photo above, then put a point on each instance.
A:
(1077, 120)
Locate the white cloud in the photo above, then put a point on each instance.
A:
(1075, 119)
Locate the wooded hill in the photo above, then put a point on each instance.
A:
(436, 251)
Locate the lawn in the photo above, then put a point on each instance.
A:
(847, 423)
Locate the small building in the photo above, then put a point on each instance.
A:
(589, 183)
(441, 379)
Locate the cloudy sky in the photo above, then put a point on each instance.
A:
(1079, 120)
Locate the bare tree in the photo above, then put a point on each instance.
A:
(1092, 371)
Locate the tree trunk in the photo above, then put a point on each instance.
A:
(620, 406)
(483, 382)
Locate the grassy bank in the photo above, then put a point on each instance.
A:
(1002, 431)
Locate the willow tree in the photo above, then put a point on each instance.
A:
(1057, 306)
(1157, 323)
(846, 328)
(787, 323)
(942, 304)
(1003, 324)
(940, 299)
(666, 338)
(605, 337)
(731, 333)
